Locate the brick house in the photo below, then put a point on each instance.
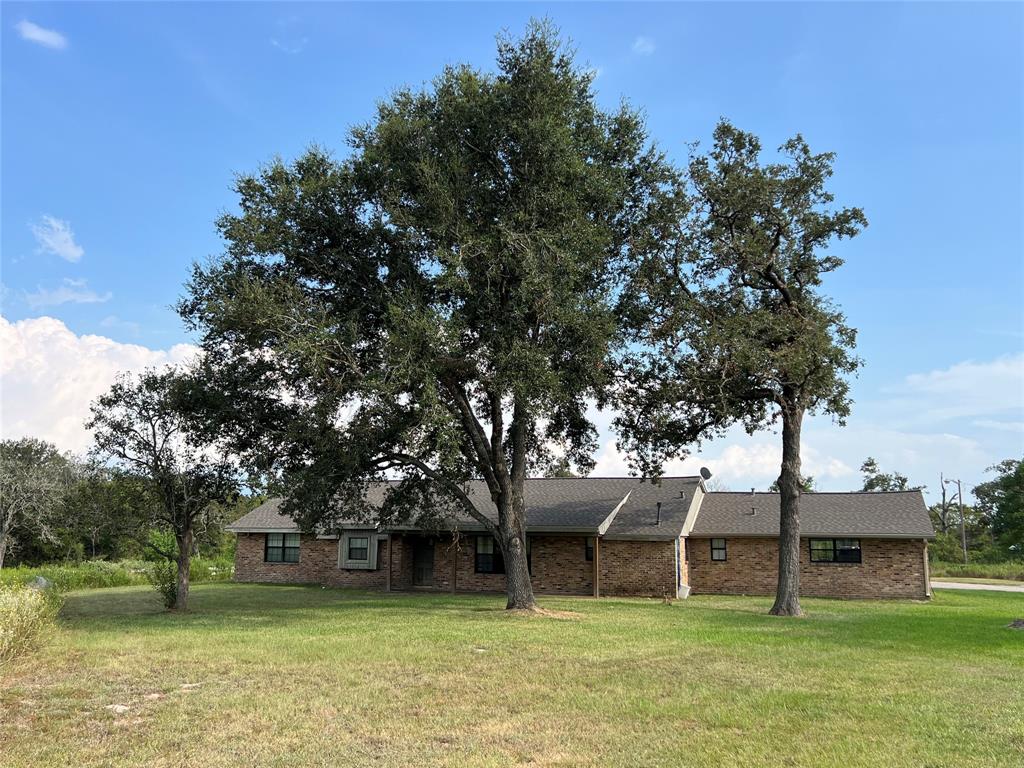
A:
(613, 536)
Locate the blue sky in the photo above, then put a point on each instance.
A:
(123, 125)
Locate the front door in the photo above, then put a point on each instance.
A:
(423, 563)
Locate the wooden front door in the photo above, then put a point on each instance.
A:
(423, 563)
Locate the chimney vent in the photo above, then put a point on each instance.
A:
(659, 513)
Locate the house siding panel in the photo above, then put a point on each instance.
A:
(889, 568)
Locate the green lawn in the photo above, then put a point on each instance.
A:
(294, 676)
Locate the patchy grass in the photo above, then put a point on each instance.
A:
(298, 676)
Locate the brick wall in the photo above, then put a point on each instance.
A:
(889, 568)
(642, 568)
(559, 565)
(318, 564)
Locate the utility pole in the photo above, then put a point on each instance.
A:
(963, 529)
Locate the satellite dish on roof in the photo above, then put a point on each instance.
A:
(705, 473)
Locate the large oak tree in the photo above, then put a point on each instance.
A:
(731, 323)
(439, 305)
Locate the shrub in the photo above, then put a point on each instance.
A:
(93, 574)
(25, 616)
(1013, 571)
(163, 575)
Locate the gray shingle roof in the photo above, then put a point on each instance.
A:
(883, 515)
(552, 504)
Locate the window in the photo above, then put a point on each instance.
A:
(281, 548)
(358, 548)
(488, 556)
(835, 550)
(718, 549)
(588, 549)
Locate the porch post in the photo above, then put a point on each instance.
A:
(597, 566)
(455, 559)
(387, 576)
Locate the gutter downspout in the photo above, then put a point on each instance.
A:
(927, 573)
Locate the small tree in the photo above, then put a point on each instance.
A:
(439, 306)
(731, 324)
(34, 480)
(139, 424)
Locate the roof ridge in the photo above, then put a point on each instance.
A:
(813, 493)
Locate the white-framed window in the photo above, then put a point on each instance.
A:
(358, 549)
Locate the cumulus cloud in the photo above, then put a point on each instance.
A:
(69, 292)
(970, 388)
(643, 46)
(51, 375)
(56, 238)
(48, 38)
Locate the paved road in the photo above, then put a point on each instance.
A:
(965, 585)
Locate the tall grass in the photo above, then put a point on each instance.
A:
(26, 616)
(1011, 571)
(94, 574)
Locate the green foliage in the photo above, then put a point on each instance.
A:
(26, 617)
(95, 574)
(806, 485)
(440, 303)
(730, 322)
(1013, 571)
(1001, 504)
(163, 576)
(876, 480)
(33, 484)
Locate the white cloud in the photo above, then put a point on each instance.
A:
(1001, 426)
(51, 375)
(49, 38)
(55, 237)
(644, 46)
(292, 46)
(958, 420)
(966, 389)
(69, 292)
(114, 322)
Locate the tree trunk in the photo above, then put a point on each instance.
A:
(787, 595)
(3, 547)
(518, 587)
(184, 561)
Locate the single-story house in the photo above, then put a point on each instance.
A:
(614, 536)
